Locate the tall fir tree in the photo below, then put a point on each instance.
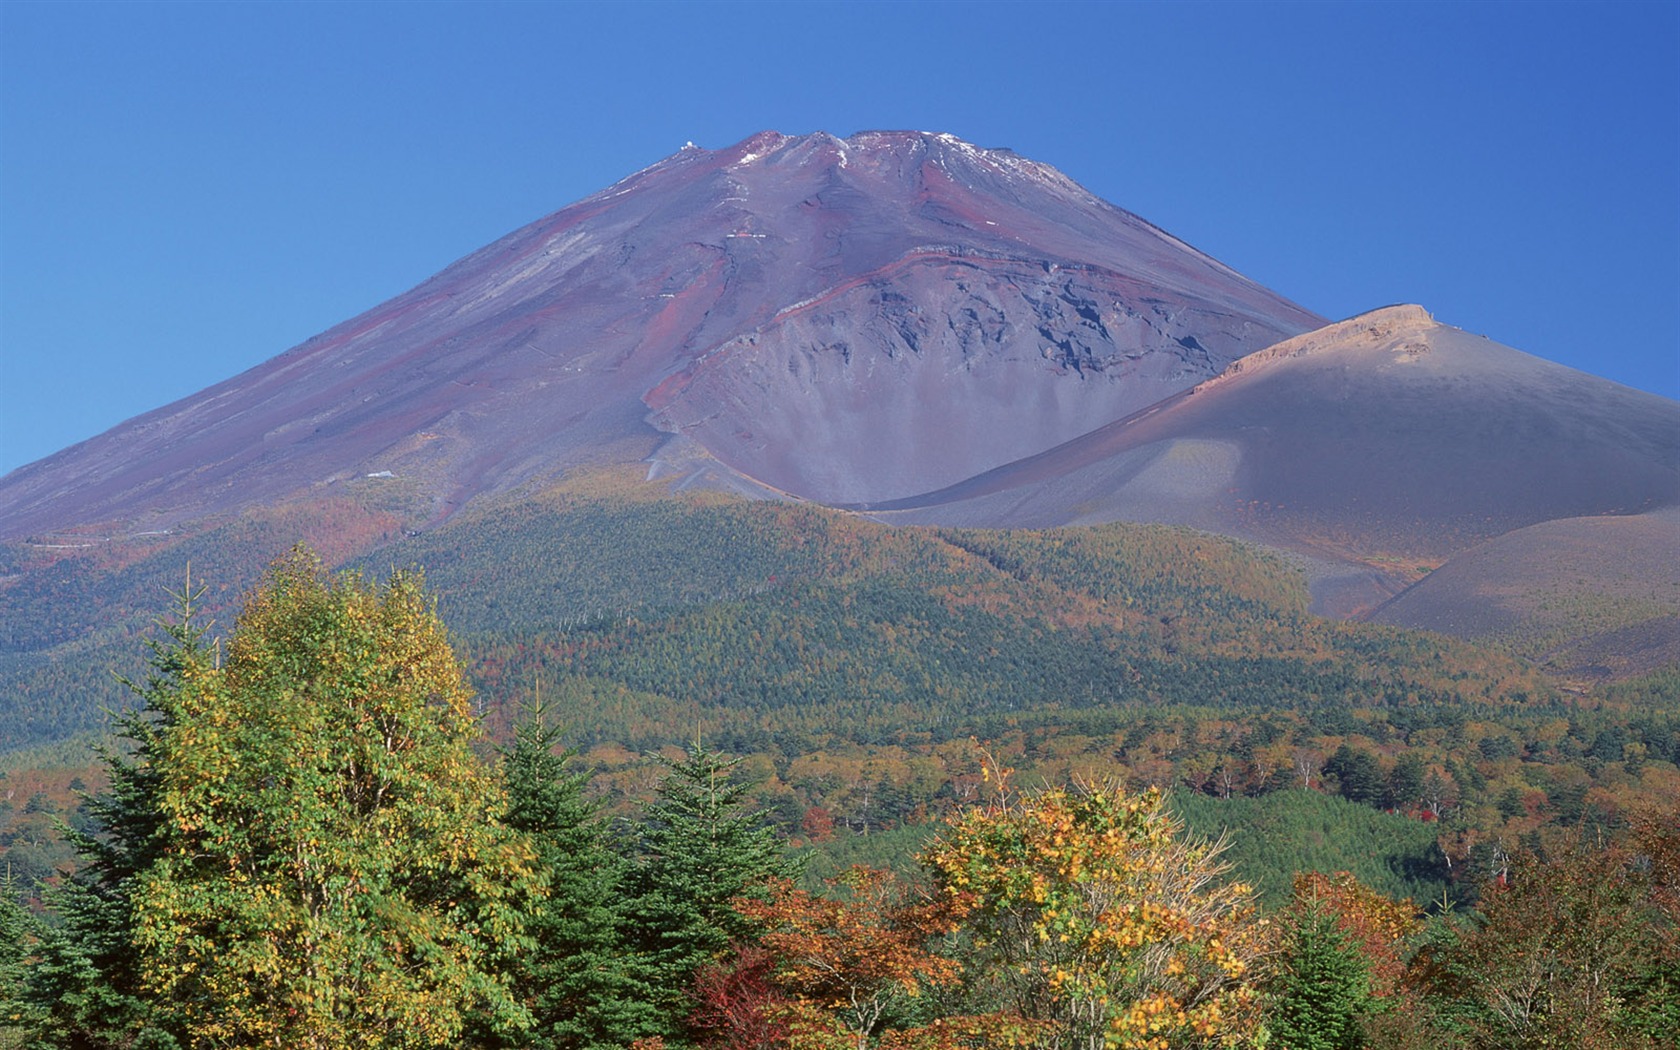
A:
(84, 990)
(1322, 992)
(702, 846)
(18, 937)
(578, 980)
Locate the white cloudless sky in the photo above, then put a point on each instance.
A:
(189, 189)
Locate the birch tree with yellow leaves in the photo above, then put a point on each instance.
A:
(332, 874)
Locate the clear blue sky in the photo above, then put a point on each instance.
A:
(189, 189)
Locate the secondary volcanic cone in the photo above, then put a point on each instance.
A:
(1376, 447)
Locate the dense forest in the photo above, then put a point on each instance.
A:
(305, 838)
(926, 741)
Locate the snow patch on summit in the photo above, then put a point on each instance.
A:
(758, 146)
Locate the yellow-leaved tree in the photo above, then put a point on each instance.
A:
(331, 872)
(1092, 910)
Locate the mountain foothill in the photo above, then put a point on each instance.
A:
(897, 328)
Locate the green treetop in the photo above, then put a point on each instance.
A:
(578, 980)
(701, 848)
(1323, 987)
(85, 986)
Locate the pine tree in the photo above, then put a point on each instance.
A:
(1357, 771)
(18, 936)
(701, 848)
(85, 987)
(1405, 783)
(577, 981)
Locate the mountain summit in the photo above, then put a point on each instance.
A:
(842, 320)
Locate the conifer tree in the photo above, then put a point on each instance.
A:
(577, 980)
(18, 936)
(85, 986)
(1357, 771)
(1323, 988)
(701, 848)
(1405, 783)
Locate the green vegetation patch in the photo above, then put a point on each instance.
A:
(1273, 836)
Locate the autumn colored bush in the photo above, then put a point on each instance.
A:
(1091, 910)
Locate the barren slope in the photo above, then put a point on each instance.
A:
(1590, 598)
(1377, 447)
(851, 319)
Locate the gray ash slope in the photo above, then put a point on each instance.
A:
(842, 320)
(1377, 448)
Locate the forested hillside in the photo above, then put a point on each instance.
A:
(836, 621)
(854, 663)
(676, 596)
(70, 628)
(303, 842)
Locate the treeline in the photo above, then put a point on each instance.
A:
(803, 615)
(1433, 794)
(688, 571)
(853, 663)
(768, 605)
(762, 610)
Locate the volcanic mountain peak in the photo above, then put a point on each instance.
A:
(906, 191)
(952, 153)
(879, 147)
(839, 319)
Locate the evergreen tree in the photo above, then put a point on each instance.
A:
(17, 938)
(1323, 989)
(85, 987)
(577, 981)
(1359, 775)
(1405, 783)
(701, 847)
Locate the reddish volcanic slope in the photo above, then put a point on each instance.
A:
(1377, 447)
(854, 320)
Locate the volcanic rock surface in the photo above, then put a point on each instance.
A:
(840, 320)
(1376, 447)
(1591, 598)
